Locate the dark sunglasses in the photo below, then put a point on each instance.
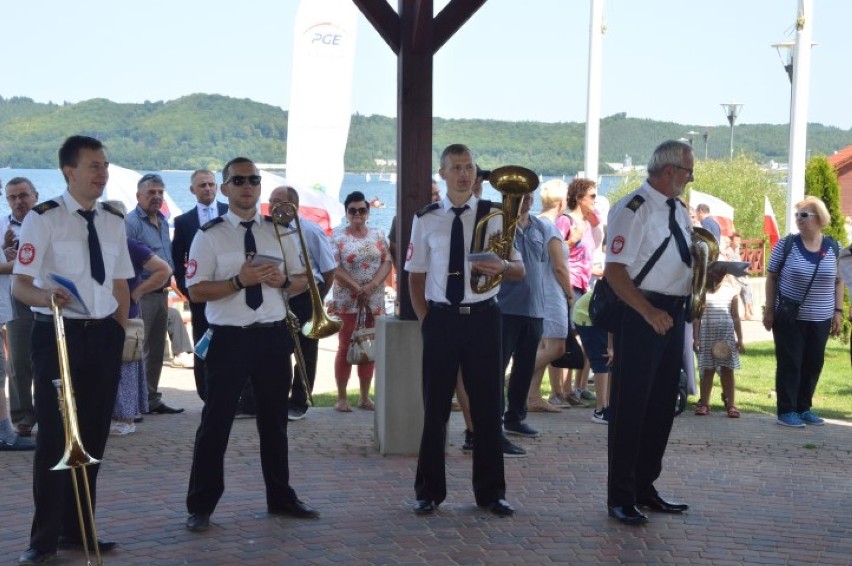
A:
(805, 214)
(355, 211)
(240, 180)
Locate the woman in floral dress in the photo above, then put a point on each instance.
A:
(363, 263)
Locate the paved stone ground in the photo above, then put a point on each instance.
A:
(760, 494)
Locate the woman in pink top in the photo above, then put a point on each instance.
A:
(581, 228)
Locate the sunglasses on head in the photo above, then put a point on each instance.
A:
(240, 180)
(355, 211)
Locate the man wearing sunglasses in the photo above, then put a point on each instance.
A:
(241, 268)
(147, 224)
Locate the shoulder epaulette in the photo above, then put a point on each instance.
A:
(268, 218)
(680, 202)
(495, 204)
(43, 207)
(110, 208)
(428, 208)
(635, 202)
(211, 223)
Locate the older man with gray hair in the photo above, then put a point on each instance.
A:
(147, 224)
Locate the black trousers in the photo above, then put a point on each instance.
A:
(472, 342)
(94, 357)
(301, 307)
(521, 335)
(645, 377)
(237, 355)
(799, 357)
(199, 327)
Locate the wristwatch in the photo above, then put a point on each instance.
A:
(506, 265)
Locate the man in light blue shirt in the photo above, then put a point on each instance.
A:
(147, 224)
(522, 308)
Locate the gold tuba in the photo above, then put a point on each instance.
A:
(513, 182)
(321, 324)
(75, 457)
(704, 250)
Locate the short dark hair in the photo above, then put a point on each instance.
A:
(69, 153)
(18, 181)
(149, 179)
(234, 161)
(456, 149)
(354, 196)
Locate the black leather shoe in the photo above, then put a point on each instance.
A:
(295, 509)
(627, 514)
(198, 522)
(76, 543)
(657, 503)
(33, 556)
(501, 508)
(163, 409)
(424, 507)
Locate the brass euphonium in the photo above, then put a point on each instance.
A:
(75, 456)
(704, 250)
(513, 182)
(321, 324)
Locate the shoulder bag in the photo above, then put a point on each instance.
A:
(362, 344)
(134, 335)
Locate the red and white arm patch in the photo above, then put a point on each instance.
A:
(410, 251)
(617, 245)
(191, 268)
(26, 254)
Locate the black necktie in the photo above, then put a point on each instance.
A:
(96, 259)
(682, 246)
(254, 294)
(455, 275)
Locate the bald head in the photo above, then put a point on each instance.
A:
(283, 193)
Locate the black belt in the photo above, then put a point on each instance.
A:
(275, 324)
(672, 300)
(38, 317)
(466, 308)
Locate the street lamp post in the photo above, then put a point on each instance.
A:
(705, 135)
(732, 110)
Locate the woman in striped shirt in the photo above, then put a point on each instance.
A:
(804, 271)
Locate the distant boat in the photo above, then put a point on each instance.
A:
(368, 178)
(387, 177)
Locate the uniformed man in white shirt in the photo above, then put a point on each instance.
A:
(76, 238)
(236, 266)
(648, 347)
(461, 329)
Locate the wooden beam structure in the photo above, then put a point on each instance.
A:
(414, 36)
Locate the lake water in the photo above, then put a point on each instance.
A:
(50, 184)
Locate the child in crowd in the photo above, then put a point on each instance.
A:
(597, 345)
(718, 340)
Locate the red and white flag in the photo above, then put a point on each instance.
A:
(770, 226)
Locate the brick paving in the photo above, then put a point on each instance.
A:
(760, 494)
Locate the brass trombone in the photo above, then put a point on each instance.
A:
(321, 324)
(75, 457)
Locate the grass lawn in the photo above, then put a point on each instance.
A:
(755, 384)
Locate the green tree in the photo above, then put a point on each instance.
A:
(821, 182)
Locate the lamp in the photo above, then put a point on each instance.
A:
(732, 110)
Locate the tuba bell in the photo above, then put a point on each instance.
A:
(513, 182)
(705, 250)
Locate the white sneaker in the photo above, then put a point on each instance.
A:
(184, 360)
(120, 428)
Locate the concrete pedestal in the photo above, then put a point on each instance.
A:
(398, 386)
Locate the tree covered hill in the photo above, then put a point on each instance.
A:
(202, 130)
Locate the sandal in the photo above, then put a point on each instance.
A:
(702, 410)
(733, 412)
(541, 406)
(342, 406)
(367, 405)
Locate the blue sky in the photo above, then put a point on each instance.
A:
(670, 60)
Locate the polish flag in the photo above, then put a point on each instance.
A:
(770, 226)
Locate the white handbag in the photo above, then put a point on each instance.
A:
(134, 335)
(362, 344)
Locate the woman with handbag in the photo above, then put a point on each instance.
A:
(363, 263)
(132, 396)
(804, 303)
